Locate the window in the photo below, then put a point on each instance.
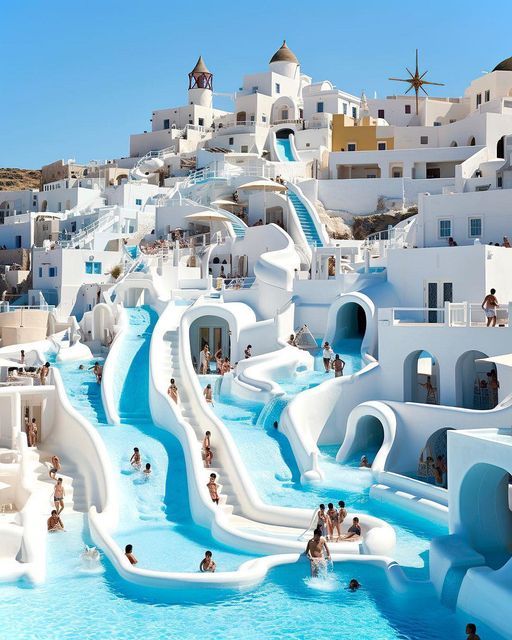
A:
(475, 227)
(445, 228)
(278, 87)
(284, 114)
(231, 141)
(93, 268)
(354, 112)
(59, 206)
(437, 123)
(381, 146)
(407, 108)
(200, 122)
(18, 242)
(252, 118)
(73, 227)
(478, 100)
(452, 121)
(52, 272)
(487, 95)
(138, 202)
(244, 149)
(166, 123)
(351, 146)
(424, 139)
(254, 89)
(263, 118)
(380, 113)
(345, 108)
(319, 107)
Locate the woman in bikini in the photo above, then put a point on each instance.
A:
(333, 522)
(322, 520)
(172, 391)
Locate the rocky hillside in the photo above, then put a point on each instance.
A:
(17, 179)
(364, 226)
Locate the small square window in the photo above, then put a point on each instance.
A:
(96, 268)
(278, 87)
(319, 107)
(244, 149)
(381, 146)
(88, 268)
(284, 114)
(475, 227)
(166, 123)
(487, 95)
(52, 272)
(231, 141)
(380, 113)
(263, 118)
(424, 139)
(407, 108)
(351, 146)
(252, 118)
(308, 144)
(138, 202)
(200, 122)
(445, 228)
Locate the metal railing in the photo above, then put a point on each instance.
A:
(471, 314)
(111, 216)
(418, 315)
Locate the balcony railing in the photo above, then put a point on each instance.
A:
(453, 314)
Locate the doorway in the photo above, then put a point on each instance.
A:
(436, 294)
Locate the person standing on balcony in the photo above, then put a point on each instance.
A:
(490, 306)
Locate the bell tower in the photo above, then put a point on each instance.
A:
(200, 85)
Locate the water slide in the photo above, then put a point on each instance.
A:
(305, 212)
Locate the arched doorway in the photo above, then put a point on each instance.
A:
(275, 215)
(421, 378)
(122, 177)
(283, 134)
(368, 439)
(476, 381)
(485, 513)
(453, 143)
(350, 322)
(241, 116)
(213, 331)
(4, 209)
(500, 148)
(434, 454)
(471, 141)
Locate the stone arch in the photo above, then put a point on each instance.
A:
(421, 378)
(475, 381)
(453, 143)
(241, 116)
(471, 141)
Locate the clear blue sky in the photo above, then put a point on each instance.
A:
(77, 77)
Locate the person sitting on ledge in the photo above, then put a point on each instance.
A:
(364, 463)
(353, 531)
(208, 394)
(207, 563)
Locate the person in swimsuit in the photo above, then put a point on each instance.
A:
(208, 457)
(98, 371)
(342, 513)
(490, 306)
(204, 360)
(58, 496)
(208, 393)
(128, 552)
(364, 463)
(354, 530)
(32, 433)
(315, 550)
(22, 358)
(55, 467)
(431, 391)
(248, 351)
(327, 355)
(135, 459)
(147, 471)
(354, 585)
(207, 440)
(322, 520)
(213, 488)
(207, 564)
(43, 373)
(226, 366)
(291, 341)
(54, 523)
(172, 391)
(218, 360)
(338, 365)
(333, 522)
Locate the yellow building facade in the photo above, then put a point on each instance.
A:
(350, 135)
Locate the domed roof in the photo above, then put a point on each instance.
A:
(283, 54)
(200, 66)
(504, 65)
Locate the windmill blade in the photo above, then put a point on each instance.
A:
(417, 62)
(438, 84)
(400, 79)
(424, 91)
(411, 87)
(409, 72)
(423, 74)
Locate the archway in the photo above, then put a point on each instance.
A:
(421, 378)
(350, 323)
(284, 134)
(476, 382)
(122, 177)
(212, 331)
(500, 148)
(485, 513)
(4, 209)
(471, 141)
(241, 116)
(275, 215)
(44, 205)
(367, 440)
(453, 143)
(434, 454)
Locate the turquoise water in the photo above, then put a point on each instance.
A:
(154, 514)
(284, 150)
